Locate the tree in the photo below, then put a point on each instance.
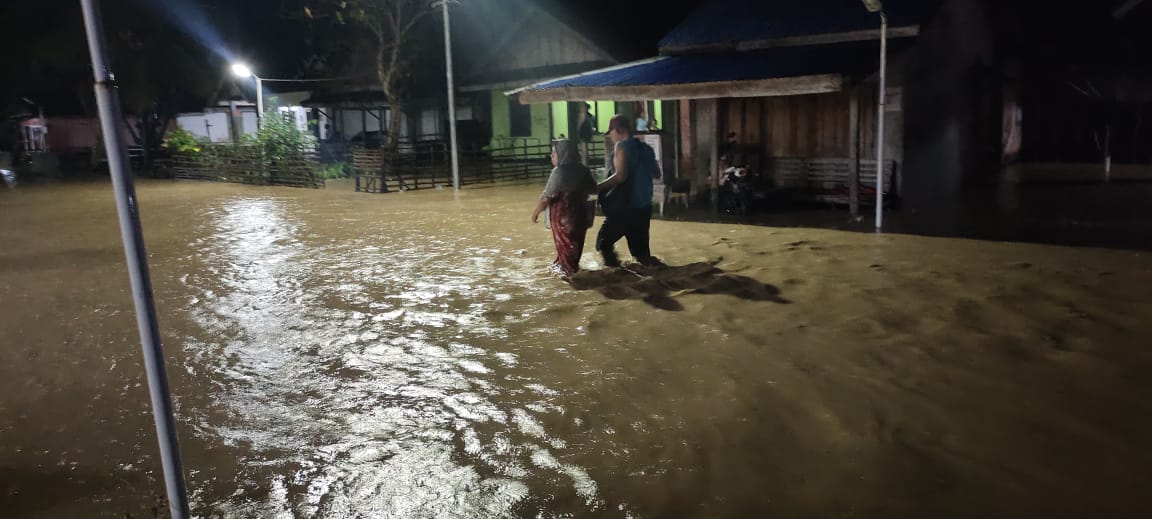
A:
(159, 71)
(392, 25)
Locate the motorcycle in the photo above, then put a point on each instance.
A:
(737, 191)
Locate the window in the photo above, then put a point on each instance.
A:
(521, 119)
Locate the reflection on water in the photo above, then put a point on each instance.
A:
(360, 402)
(408, 355)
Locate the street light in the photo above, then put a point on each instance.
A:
(242, 70)
(877, 6)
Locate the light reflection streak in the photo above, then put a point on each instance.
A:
(353, 384)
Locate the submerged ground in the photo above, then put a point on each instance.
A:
(407, 355)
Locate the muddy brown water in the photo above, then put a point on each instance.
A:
(408, 355)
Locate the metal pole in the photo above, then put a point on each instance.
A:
(136, 256)
(259, 100)
(451, 95)
(880, 121)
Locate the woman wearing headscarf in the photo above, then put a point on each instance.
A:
(566, 198)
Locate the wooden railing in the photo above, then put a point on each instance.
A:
(828, 179)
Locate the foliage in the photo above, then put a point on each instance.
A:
(337, 170)
(278, 142)
(392, 24)
(180, 140)
(279, 139)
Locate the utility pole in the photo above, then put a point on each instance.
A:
(128, 209)
(451, 94)
(877, 6)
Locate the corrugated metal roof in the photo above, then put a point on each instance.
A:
(852, 59)
(494, 79)
(721, 23)
(779, 71)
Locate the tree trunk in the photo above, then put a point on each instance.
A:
(395, 123)
(386, 64)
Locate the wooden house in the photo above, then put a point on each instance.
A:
(503, 44)
(1057, 92)
(787, 88)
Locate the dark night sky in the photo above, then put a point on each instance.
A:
(43, 51)
(41, 42)
(276, 40)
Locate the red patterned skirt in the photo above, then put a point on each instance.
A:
(570, 215)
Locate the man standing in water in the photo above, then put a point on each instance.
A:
(626, 196)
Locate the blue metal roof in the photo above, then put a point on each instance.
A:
(855, 59)
(720, 23)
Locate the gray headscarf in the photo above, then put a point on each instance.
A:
(569, 176)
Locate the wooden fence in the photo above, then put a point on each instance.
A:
(247, 165)
(429, 165)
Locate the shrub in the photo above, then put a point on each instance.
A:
(179, 140)
(280, 140)
(330, 171)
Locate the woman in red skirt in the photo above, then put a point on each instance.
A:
(569, 211)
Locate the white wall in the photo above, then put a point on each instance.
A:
(299, 115)
(352, 122)
(356, 121)
(249, 123)
(217, 129)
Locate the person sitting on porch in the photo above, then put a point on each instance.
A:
(569, 211)
(641, 122)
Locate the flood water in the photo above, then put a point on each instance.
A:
(349, 355)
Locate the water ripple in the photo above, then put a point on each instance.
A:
(350, 377)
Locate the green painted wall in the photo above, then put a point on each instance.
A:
(542, 123)
(550, 120)
(501, 120)
(502, 124)
(604, 112)
(559, 119)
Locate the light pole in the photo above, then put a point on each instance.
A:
(242, 70)
(877, 6)
(451, 93)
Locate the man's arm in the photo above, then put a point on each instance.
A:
(620, 161)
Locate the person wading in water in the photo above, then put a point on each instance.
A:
(566, 198)
(626, 196)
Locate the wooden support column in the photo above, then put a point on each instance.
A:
(573, 134)
(708, 137)
(854, 152)
(670, 128)
(687, 144)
